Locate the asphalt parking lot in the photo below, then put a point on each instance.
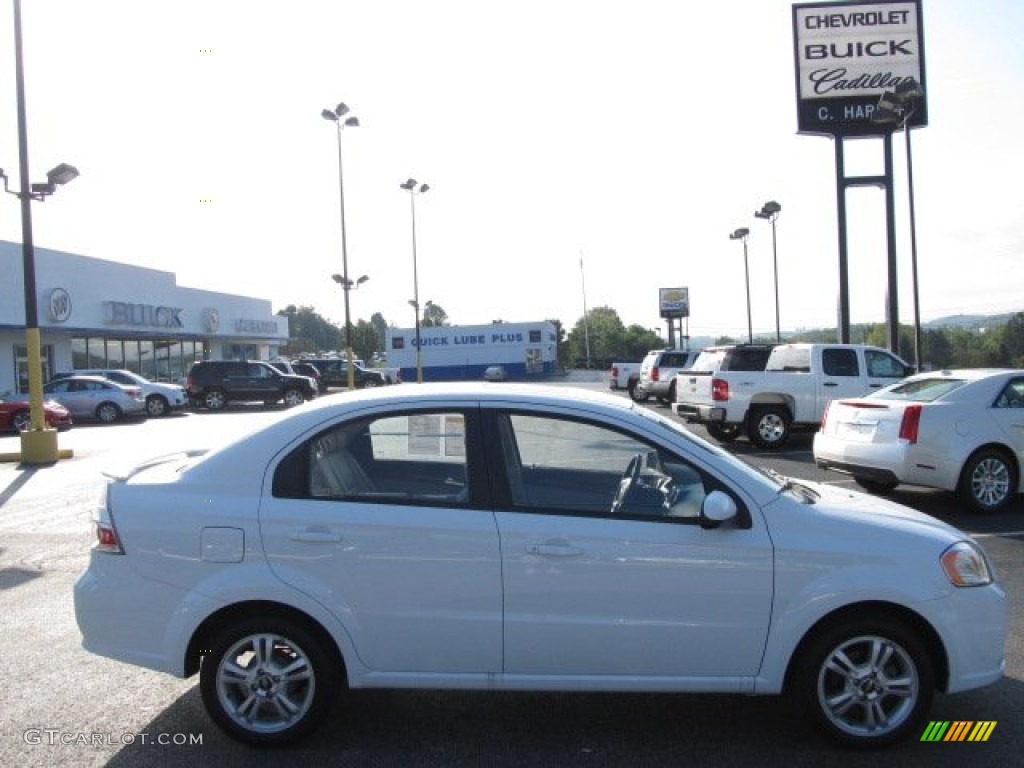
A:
(63, 705)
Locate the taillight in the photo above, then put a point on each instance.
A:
(106, 538)
(910, 422)
(189, 383)
(719, 389)
(615, 371)
(824, 416)
(654, 374)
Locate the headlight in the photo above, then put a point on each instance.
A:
(965, 565)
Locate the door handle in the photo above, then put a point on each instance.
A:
(316, 535)
(830, 384)
(554, 550)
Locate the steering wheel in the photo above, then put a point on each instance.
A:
(629, 478)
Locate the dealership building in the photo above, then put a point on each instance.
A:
(463, 352)
(94, 313)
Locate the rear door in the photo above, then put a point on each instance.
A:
(385, 520)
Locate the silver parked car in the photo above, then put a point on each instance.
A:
(94, 397)
(160, 398)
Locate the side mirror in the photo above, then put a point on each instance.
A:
(718, 508)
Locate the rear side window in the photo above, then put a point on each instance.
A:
(921, 390)
(790, 359)
(839, 362)
(747, 359)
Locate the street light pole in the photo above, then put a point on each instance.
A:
(741, 234)
(770, 211)
(410, 185)
(335, 116)
(895, 108)
(38, 443)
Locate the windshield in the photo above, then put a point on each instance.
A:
(924, 390)
(698, 444)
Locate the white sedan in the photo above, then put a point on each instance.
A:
(526, 537)
(960, 430)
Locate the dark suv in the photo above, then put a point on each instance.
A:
(334, 373)
(215, 383)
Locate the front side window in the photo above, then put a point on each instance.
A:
(565, 466)
(883, 366)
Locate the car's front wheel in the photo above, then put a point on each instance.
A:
(988, 481)
(108, 413)
(268, 681)
(156, 405)
(865, 683)
(371, 382)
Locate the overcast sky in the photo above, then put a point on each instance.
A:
(636, 135)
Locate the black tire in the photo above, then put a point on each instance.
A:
(372, 382)
(156, 405)
(769, 426)
(638, 395)
(988, 481)
(21, 421)
(242, 692)
(215, 399)
(293, 397)
(107, 413)
(864, 682)
(877, 487)
(724, 433)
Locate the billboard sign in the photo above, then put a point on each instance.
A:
(674, 302)
(849, 54)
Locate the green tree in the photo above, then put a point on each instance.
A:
(365, 340)
(308, 331)
(433, 315)
(380, 324)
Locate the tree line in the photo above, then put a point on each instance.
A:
(601, 338)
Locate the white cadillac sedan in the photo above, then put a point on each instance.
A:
(960, 430)
(526, 537)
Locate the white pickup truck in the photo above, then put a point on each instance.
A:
(621, 373)
(792, 391)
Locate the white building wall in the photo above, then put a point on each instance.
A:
(84, 296)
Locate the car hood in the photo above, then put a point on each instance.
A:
(845, 512)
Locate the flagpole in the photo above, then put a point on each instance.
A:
(586, 322)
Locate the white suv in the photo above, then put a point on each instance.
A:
(161, 399)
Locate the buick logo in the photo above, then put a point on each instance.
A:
(211, 319)
(59, 303)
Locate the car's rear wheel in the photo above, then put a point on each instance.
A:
(988, 481)
(215, 400)
(108, 413)
(21, 420)
(156, 405)
(724, 433)
(638, 394)
(769, 426)
(878, 487)
(293, 397)
(865, 683)
(268, 681)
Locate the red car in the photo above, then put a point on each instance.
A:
(14, 415)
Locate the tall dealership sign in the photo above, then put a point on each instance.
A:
(848, 55)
